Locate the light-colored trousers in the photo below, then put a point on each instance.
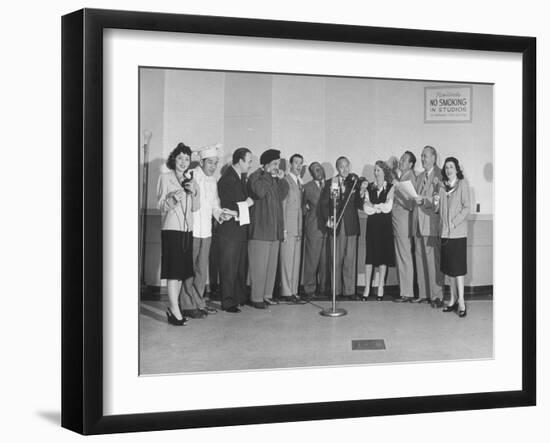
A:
(262, 259)
(346, 262)
(404, 264)
(289, 259)
(192, 290)
(430, 278)
(315, 264)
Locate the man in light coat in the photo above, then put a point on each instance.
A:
(291, 246)
(192, 298)
(403, 232)
(427, 241)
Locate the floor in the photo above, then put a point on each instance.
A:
(287, 336)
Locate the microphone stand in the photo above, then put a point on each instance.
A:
(333, 311)
(145, 290)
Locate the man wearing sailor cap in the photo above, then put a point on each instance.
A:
(193, 302)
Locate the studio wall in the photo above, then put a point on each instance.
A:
(320, 118)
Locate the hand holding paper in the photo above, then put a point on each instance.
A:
(407, 189)
(244, 216)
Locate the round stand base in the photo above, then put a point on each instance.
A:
(336, 313)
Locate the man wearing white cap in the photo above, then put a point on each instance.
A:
(192, 296)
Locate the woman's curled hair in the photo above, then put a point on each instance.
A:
(181, 148)
(387, 171)
(459, 173)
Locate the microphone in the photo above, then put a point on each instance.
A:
(334, 188)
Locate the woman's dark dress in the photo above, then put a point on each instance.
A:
(379, 236)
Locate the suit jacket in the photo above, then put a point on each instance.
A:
(350, 219)
(427, 219)
(266, 216)
(314, 226)
(232, 190)
(292, 208)
(403, 209)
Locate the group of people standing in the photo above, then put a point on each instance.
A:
(264, 217)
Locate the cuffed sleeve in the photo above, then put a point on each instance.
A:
(367, 207)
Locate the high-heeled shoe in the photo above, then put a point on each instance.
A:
(462, 312)
(173, 320)
(451, 308)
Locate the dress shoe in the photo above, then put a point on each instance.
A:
(379, 297)
(209, 310)
(295, 300)
(259, 304)
(194, 313)
(232, 309)
(270, 302)
(420, 300)
(437, 303)
(462, 312)
(451, 308)
(173, 320)
(402, 299)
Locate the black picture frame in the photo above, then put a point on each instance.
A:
(82, 216)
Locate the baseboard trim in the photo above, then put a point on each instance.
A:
(154, 293)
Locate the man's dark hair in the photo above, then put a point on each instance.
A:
(295, 156)
(240, 154)
(412, 158)
(459, 173)
(311, 165)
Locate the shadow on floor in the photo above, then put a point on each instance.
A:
(53, 417)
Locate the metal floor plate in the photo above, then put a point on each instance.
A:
(367, 345)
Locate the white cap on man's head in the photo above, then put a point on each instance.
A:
(209, 151)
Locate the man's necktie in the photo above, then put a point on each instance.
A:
(424, 182)
(244, 179)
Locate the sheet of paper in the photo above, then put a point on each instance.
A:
(407, 189)
(244, 216)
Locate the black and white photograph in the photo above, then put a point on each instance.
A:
(301, 221)
(275, 221)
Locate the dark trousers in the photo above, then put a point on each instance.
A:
(315, 265)
(232, 269)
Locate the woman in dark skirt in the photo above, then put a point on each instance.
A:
(377, 204)
(177, 199)
(453, 203)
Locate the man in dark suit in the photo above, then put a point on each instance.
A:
(315, 233)
(347, 219)
(233, 233)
